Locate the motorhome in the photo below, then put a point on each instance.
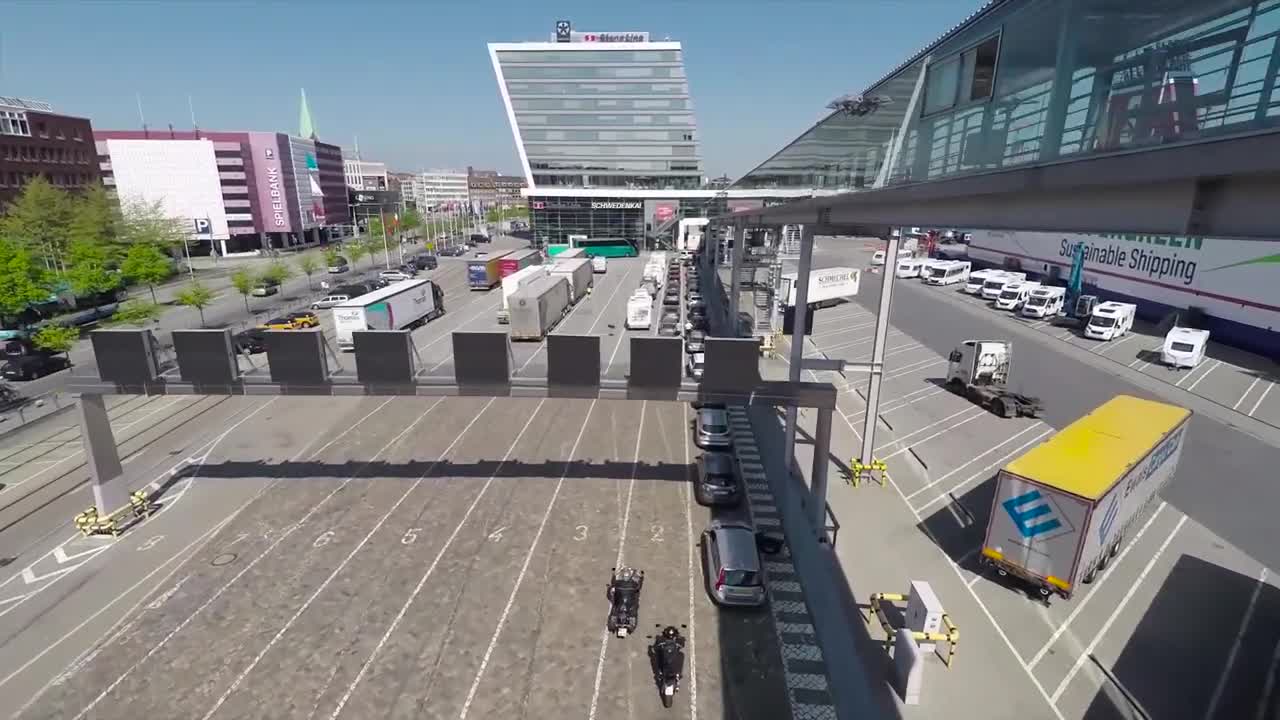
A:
(1110, 320)
(1045, 302)
(908, 268)
(948, 272)
(994, 285)
(1015, 295)
(973, 284)
(1184, 347)
(877, 258)
(639, 311)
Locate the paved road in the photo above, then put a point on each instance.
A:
(399, 558)
(1149, 618)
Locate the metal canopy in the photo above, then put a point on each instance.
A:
(1218, 188)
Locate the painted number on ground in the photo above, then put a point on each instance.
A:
(325, 538)
(655, 533)
(151, 542)
(496, 535)
(410, 536)
(580, 533)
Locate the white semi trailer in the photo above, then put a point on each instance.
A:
(399, 306)
(538, 307)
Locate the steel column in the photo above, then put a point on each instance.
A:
(797, 338)
(735, 288)
(109, 492)
(877, 350)
(821, 461)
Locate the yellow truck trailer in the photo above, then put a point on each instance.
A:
(1061, 511)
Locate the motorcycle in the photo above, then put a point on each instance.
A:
(666, 657)
(624, 600)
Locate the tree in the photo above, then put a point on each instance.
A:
(87, 269)
(357, 250)
(94, 218)
(308, 264)
(145, 223)
(243, 281)
(148, 265)
(56, 338)
(331, 256)
(136, 312)
(199, 297)
(410, 221)
(276, 273)
(37, 221)
(22, 281)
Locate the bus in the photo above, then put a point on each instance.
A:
(595, 247)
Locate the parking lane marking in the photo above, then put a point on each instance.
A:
(1216, 364)
(985, 471)
(1057, 633)
(975, 458)
(981, 413)
(1107, 347)
(1246, 392)
(1093, 644)
(899, 439)
(1268, 687)
(1235, 646)
(1261, 398)
(693, 632)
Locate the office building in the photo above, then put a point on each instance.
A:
(365, 175)
(36, 140)
(508, 187)
(435, 189)
(401, 184)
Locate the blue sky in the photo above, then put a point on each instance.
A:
(412, 79)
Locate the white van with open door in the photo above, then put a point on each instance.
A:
(1184, 347)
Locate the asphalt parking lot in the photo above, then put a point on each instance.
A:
(406, 557)
(1185, 623)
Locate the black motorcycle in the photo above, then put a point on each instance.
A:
(666, 657)
(624, 600)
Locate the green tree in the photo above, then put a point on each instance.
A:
(94, 218)
(277, 273)
(56, 338)
(308, 264)
(136, 312)
(199, 297)
(145, 223)
(357, 250)
(37, 221)
(410, 221)
(22, 281)
(331, 256)
(147, 264)
(243, 281)
(88, 271)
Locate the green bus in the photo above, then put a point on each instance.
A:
(595, 247)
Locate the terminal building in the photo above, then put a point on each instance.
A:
(604, 126)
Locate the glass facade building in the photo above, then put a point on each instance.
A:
(1034, 81)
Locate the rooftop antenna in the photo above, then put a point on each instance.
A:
(356, 141)
(142, 117)
(192, 108)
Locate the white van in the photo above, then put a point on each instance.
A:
(977, 278)
(1184, 347)
(1110, 320)
(877, 258)
(1015, 295)
(948, 272)
(599, 264)
(1044, 302)
(994, 285)
(908, 268)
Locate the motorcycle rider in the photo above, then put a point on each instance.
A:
(670, 650)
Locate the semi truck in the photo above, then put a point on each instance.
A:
(517, 260)
(484, 273)
(639, 310)
(979, 370)
(538, 307)
(578, 272)
(827, 286)
(512, 283)
(1062, 510)
(400, 306)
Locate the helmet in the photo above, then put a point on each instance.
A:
(670, 633)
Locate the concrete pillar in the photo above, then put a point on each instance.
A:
(877, 350)
(735, 288)
(821, 461)
(105, 471)
(797, 338)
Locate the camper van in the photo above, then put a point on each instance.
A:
(1045, 302)
(973, 285)
(948, 272)
(908, 268)
(994, 284)
(1015, 295)
(1110, 320)
(877, 258)
(1184, 347)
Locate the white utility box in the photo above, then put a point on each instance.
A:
(924, 612)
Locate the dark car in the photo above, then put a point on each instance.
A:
(426, 262)
(252, 341)
(30, 367)
(669, 329)
(671, 299)
(670, 316)
(698, 323)
(717, 480)
(477, 238)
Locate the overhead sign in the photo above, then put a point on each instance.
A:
(609, 37)
(563, 31)
(615, 205)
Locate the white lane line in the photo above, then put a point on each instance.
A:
(985, 471)
(447, 335)
(1247, 390)
(898, 403)
(252, 563)
(1187, 375)
(1235, 646)
(814, 337)
(693, 628)
(916, 443)
(901, 438)
(622, 544)
(1214, 366)
(235, 684)
(960, 574)
(1262, 397)
(975, 458)
(1057, 633)
(1268, 687)
(1105, 348)
(528, 558)
(1093, 644)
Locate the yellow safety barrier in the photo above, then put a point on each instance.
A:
(951, 636)
(90, 522)
(875, 470)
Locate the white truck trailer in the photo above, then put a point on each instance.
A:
(515, 281)
(827, 286)
(639, 310)
(538, 307)
(1062, 510)
(578, 272)
(399, 306)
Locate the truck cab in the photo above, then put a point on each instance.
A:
(1044, 302)
(975, 362)
(1110, 320)
(1015, 295)
(994, 284)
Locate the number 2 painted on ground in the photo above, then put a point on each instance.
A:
(325, 538)
(657, 533)
(151, 542)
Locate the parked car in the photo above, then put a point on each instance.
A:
(409, 268)
(477, 238)
(426, 262)
(671, 299)
(30, 367)
(265, 288)
(453, 252)
(696, 342)
(279, 323)
(694, 365)
(304, 319)
(252, 341)
(329, 301)
(394, 275)
(670, 329)
(711, 427)
(717, 480)
(731, 564)
(338, 265)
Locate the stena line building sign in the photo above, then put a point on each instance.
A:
(609, 37)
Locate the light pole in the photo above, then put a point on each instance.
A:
(386, 249)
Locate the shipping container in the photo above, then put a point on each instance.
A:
(482, 273)
(578, 273)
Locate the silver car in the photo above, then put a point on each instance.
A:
(711, 428)
(731, 564)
